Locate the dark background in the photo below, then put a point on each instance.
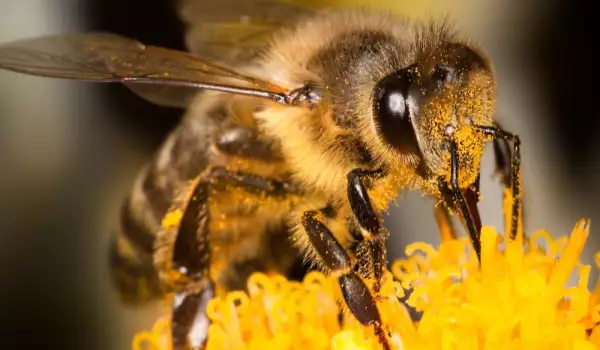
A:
(70, 152)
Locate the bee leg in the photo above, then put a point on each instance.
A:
(191, 253)
(356, 293)
(191, 257)
(372, 232)
(503, 156)
(514, 177)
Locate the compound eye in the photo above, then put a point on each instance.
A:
(393, 106)
(392, 103)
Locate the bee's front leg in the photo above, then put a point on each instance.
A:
(508, 164)
(191, 253)
(502, 160)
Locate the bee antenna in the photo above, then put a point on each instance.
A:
(307, 96)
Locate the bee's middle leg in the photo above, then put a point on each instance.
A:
(371, 233)
(356, 293)
(352, 276)
(192, 252)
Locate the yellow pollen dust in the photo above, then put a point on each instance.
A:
(470, 145)
(519, 297)
(172, 219)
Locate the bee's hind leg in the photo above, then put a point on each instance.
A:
(191, 252)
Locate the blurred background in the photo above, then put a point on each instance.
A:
(70, 151)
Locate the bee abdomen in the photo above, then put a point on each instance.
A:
(132, 268)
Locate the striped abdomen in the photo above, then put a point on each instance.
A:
(206, 137)
(182, 157)
(131, 249)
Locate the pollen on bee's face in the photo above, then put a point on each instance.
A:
(470, 144)
(450, 116)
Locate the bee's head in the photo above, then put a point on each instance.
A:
(420, 110)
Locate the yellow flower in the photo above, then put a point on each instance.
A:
(517, 298)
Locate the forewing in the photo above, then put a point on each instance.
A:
(236, 30)
(160, 75)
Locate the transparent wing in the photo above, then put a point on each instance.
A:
(163, 76)
(236, 30)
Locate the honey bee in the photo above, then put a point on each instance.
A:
(297, 135)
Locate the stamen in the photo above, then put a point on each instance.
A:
(510, 301)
